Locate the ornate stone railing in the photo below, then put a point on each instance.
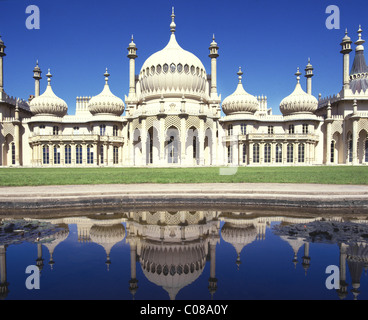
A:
(81, 138)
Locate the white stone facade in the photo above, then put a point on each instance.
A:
(173, 118)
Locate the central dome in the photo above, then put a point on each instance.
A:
(173, 71)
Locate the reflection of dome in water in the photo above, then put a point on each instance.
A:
(296, 244)
(239, 235)
(58, 237)
(107, 236)
(173, 266)
(357, 256)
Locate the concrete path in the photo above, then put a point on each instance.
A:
(255, 194)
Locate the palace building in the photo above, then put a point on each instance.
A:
(174, 116)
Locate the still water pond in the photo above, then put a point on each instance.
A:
(161, 255)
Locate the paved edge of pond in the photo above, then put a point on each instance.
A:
(238, 194)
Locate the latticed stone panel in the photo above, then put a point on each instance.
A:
(363, 125)
(8, 128)
(172, 121)
(337, 126)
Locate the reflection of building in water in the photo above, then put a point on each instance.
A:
(172, 247)
(3, 283)
(241, 229)
(106, 232)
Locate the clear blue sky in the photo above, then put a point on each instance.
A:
(269, 39)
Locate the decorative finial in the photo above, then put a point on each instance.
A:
(49, 76)
(240, 73)
(172, 25)
(360, 41)
(298, 74)
(107, 75)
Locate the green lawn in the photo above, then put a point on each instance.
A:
(69, 176)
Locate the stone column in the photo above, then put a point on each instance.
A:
(183, 137)
(201, 137)
(144, 142)
(162, 141)
(355, 142)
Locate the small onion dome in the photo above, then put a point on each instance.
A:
(240, 101)
(48, 103)
(299, 101)
(106, 102)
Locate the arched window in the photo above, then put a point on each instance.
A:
(46, 154)
(256, 153)
(229, 154)
(366, 150)
(243, 128)
(270, 129)
(101, 154)
(291, 129)
(301, 152)
(56, 154)
(290, 153)
(78, 154)
(244, 153)
(116, 155)
(305, 128)
(55, 130)
(230, 130)
(267, 153)
(102, 129)
(115, 131)
(13, 153)
(350, 148)
(332, 156)
(90, 154)
(76, 130)
(194, 147)
(278, 155)
(68, 154)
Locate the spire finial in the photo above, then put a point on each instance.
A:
(298, 74)
(360, 41)
(172, 25)
(107, 75)
(49, 76)
(240, 73)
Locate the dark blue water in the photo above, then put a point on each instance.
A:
(184, 256)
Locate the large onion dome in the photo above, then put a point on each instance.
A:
(172, 71)
(299, 101)
(48, 103)
(106, 102)
(240, 101)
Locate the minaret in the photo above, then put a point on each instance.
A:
(306, 258)
(346, 49)
(2, 54)
(342, 292)
(213, 55)
(309, 74)
(37, 76)
(3, 283)
(132, 55)
(133, 282)
(39, 260)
